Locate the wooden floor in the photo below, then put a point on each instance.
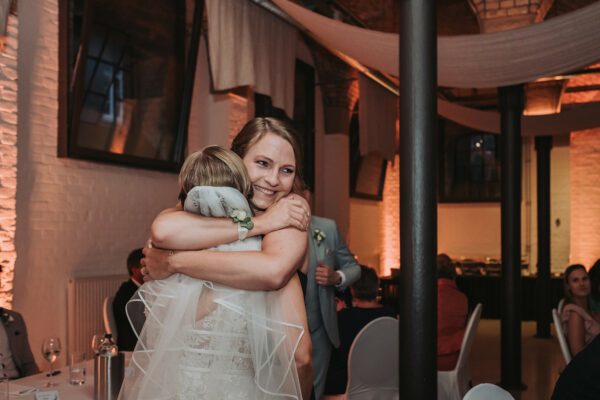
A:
(541, 359)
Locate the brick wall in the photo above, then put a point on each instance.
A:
(365, 234)
(8, 160)
(499, 15)
(74, 218)
(390, 248)
(585, 196)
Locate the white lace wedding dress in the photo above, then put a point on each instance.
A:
(206, 341)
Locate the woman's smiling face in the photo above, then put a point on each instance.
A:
(579, 283)
(271, 165)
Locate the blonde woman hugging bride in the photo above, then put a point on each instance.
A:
(225, 313)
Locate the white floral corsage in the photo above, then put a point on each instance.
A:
(243, 218)
(6, 317)
(319, 235)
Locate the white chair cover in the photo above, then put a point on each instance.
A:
(110, 325)
(561, 304)
(452, 385)
(560, 335)
(487, 391)
(373, 362)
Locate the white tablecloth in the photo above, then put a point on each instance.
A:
(65, 390)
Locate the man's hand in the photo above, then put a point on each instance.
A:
(326, 276)
(292, 210)
(156, 263)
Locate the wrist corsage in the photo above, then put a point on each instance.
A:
(319, 235)
(243, 219)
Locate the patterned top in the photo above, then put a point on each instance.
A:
(592, 327)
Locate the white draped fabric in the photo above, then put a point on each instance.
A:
(552, 47)
(585, 116)
(248, 46)
(377, 114)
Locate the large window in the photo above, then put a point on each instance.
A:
(123, 67)
(469, 164)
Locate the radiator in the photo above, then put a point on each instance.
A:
(84, 309)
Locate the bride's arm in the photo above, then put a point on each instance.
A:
(179, 230)
(292, 292)
(270, 269)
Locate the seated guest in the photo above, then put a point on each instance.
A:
(365, 308)
(578, 323)
(15, 353)
(126, 339)
(581, 377)
(594, 274)
(453, 308)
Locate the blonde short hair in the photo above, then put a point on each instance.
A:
(214, 166)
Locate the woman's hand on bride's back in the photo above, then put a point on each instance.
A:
(291, 211)
(156, 263)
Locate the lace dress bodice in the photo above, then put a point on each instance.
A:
(218, 355)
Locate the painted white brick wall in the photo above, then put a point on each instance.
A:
(365, 234)
(585, 197)
(74, 218)
(8, 159)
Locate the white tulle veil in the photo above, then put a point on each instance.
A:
(206, 341)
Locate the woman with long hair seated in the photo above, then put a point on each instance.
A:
(578, 322)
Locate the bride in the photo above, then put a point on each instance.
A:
(204, 340)
(272, 156)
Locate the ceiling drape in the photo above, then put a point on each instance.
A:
(577, 118)
(556, 46)
(248, 46)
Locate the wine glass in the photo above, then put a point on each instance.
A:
(50, 351)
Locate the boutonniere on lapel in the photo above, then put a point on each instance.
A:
(6, 317)
(319, 235)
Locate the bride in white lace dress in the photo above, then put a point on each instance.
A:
(202, 340)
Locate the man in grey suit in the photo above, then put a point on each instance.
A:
(14, 346)
(331, 266)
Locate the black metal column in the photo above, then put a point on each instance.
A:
(543, 144)
(510, 100)
(418, 212)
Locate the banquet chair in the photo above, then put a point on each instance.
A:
(487, 391)
(373, 362)
(560, 335)
(452, 385)
(110, 325)
(561, 304)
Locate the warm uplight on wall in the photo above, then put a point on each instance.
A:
(390, 249)
(585, 197)
(544, 97)
(8, 163)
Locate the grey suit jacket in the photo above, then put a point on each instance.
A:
(333, 251)
(19, 344)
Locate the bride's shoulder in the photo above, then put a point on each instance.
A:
(210, 199)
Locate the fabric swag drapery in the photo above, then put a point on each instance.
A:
(248, 46)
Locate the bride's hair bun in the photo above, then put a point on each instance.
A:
(214, 166)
